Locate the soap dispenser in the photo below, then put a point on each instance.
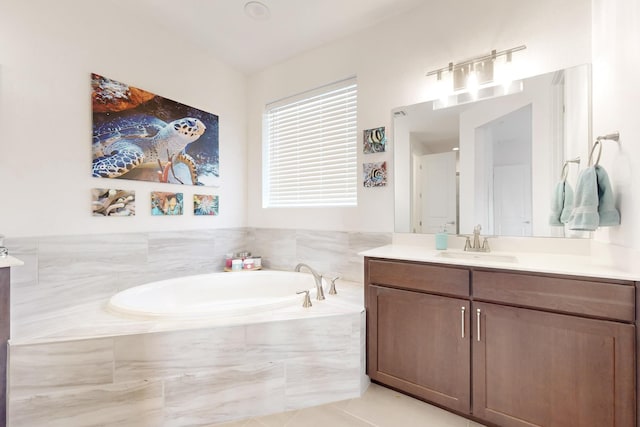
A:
(442, 238)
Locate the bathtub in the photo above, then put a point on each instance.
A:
(213, 295)
(213, 369)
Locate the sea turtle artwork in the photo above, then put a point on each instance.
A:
(142, 136)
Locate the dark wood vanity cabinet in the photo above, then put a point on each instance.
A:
(519, 349)
(412, 334)
(533, 368)
(415, 336)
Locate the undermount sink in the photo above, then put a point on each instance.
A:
(480, 256)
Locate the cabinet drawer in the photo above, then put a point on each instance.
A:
(584, 297)
(420, 277)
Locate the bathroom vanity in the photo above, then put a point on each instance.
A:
(501, 345)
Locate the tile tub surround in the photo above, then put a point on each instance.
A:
(71, 361)
(282, 360)
(65, 275)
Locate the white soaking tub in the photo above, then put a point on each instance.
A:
(213, 295)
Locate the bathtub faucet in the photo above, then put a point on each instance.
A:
(317, 277)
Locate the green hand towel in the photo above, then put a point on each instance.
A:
(607, 211)
(561, 204)
(567, 204)
(585, 211)
(594, 201)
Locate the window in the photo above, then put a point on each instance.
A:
(310, 151)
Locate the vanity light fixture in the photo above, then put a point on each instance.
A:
(475, 79)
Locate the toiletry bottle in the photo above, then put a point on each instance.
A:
(248, 264)
(442, 238)
(236, 264)
(227, 260)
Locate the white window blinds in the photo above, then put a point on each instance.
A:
(311, 146)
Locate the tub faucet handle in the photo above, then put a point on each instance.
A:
(306, 303)
(332, 289)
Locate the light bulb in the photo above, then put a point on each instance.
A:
(506, 72)
(472, 82)
(442, 90)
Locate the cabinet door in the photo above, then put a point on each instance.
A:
(532, 368)
(419, 343)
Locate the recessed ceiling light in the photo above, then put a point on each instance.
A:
(456, 148)
(257, 10)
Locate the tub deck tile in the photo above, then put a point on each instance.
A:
(285, 340)
(52, 366)
(251, 390)
(136, 404)
(312, 381)
(165, 354)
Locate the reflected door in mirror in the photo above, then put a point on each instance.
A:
(512, 200)
(437, 189)
(503, 174)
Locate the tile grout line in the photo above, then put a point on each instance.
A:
(371, 423)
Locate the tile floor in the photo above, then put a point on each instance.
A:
(378, 407)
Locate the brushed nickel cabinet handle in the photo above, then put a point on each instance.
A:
(462, 309)
(478, 322)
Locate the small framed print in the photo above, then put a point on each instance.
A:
(374, 174)
(163, 203)
(374, 141)
(113, 202)
(205, 204)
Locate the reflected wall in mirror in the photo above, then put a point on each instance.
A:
(508, 158)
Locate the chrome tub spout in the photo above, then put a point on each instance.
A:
(316, 276)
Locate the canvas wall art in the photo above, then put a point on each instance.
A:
(164, 203)
(374, 141)
(375, 174)
(142, 136)
(205, 204)
(113, 202)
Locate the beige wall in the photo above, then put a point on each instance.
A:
(616, 92)
(390, 62)
(47, 52)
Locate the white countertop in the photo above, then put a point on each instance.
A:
(10, 261)
(579, 265)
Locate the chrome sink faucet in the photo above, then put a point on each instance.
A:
(476, 242)
(316, 276)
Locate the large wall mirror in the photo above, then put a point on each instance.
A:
(493, 162)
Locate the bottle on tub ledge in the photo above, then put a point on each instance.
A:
(252, 263)
(242, 261)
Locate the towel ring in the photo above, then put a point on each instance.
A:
(597, 143)
(565, 171)
(565, 168)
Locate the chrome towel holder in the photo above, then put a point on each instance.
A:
(598, 143)
(565, 168)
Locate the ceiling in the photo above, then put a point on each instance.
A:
(294, 26)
